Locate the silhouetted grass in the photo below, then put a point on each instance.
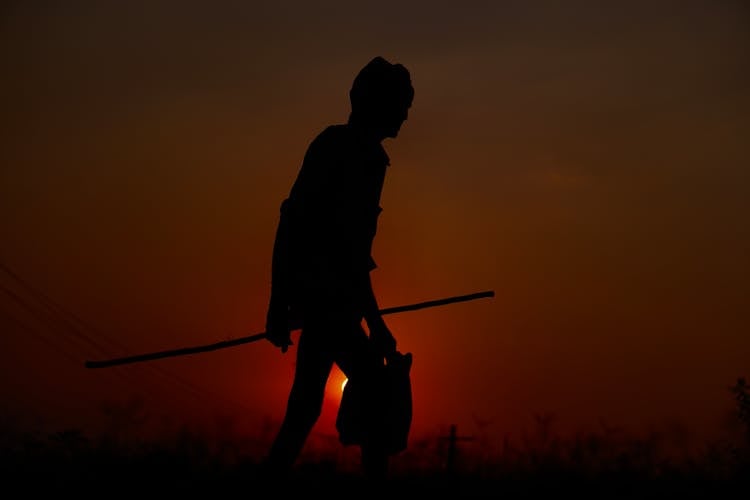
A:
(605, 463)
(585, 466)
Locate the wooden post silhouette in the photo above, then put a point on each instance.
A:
(453, 438)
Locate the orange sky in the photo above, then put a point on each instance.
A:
(588, 163)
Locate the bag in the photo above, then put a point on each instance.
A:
(393, 421)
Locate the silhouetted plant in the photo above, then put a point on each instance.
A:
(742, 398)
(741, 394)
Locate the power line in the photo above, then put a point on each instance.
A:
(52, 308)
(64, 352)
(74, 325)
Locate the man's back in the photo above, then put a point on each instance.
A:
(330, 216)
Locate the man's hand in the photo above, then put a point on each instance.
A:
(278, 329)
(382, 340)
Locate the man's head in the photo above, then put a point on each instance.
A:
(381, 96)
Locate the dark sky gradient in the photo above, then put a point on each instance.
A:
(587, 161)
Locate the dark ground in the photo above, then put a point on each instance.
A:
(68, 463)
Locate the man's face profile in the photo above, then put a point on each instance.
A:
(394, 117)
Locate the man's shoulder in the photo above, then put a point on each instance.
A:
(332, 142)
(333, 134)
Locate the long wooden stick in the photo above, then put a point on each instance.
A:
(252, 338)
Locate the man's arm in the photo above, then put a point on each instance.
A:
(380, 334)
(277, 316)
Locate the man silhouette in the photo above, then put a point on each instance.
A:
(320, 273)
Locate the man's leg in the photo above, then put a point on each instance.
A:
(313, 366)
(374, 461)
(356, 358)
